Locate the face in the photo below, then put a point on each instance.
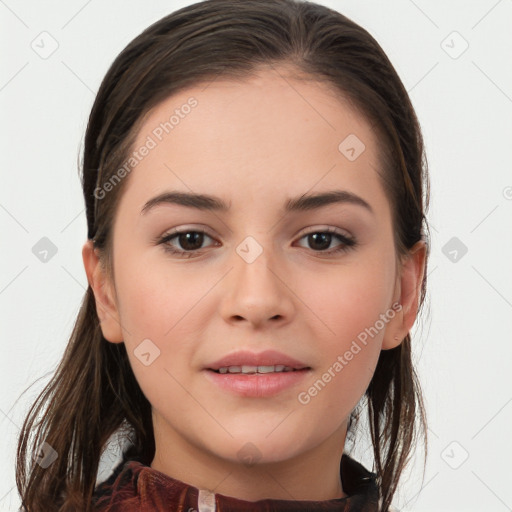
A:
(274, 270)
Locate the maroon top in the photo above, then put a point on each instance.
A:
(136, 487)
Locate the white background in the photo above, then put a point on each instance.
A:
(463, 342)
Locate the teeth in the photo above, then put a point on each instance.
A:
(256, 369)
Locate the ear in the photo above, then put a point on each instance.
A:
(105, 302)
(407, 293)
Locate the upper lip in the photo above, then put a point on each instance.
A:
(265, 358)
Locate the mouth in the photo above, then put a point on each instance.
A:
(257, 381)
(251, 370)
(263, 374)
(247, 362)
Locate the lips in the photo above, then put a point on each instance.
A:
(244, 361)
(246, 369)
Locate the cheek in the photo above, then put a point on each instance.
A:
(349, 332)
(345, 302)
(164, 303)
(159, 306)
(156, 300)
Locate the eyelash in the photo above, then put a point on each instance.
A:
(347, 242)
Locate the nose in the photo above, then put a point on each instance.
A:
(257, 291)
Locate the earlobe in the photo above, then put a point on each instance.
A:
(408, 291)
(106, 308)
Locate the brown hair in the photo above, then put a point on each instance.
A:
(94, 393)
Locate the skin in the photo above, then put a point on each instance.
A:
(255, 144)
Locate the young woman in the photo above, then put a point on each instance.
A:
(256, 187)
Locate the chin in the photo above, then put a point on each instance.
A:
(250, 449)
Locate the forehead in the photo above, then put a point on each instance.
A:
(269, 134)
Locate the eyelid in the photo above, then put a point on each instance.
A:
(185, 228)
(167, 235)
(348, 242)
(323, 229)
(304, 231)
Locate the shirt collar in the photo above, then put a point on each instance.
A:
(135, 486)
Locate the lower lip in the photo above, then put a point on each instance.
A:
(257, 384)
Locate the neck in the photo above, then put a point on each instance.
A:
(312, 475)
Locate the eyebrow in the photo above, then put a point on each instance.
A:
(301, 203)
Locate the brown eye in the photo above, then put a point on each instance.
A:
(184, 243)
(320, 241)
(190, 241)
